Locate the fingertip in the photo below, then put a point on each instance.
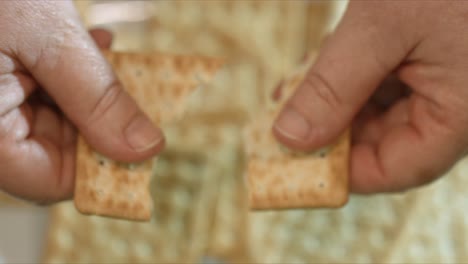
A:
(117, 128)
(149, 151)
(363, 170)
(102, 37)
(141, 155)
(142, 135)
(292, 125)
(297, 132)
(138, 143)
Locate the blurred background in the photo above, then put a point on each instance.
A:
(200, 212)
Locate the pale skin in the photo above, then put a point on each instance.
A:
(401, 139)
(45, 49)
(404, 135)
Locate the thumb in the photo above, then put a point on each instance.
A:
(354, 60)
(69, 66)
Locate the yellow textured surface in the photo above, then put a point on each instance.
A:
(186, 207)
(202, 214)
(261, 40)
(421, 226)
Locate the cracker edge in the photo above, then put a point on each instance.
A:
(339, 165)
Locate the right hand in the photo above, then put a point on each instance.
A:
(396, 71)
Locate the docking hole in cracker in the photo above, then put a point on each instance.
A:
(161, 85)
(279, 178)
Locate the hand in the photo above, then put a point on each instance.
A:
(397, 73)
(45, 49)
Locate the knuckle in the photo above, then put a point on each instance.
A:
(104, 103)
(14, 88)
(54, 48)
(46, 54)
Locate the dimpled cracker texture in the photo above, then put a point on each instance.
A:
(437, 229)
(226, 239)
(361, 232)
(186, 192)
(229, 240)
(160, 84)
(201, 218)
(375, 229)
(261, 40)
(426, 225)
(279, 178)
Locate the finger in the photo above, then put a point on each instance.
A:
(14, 89)
(37, 161)
(366, 116)
(70, 67)
(373, 125)
(368, 124)
(102, 37)
(353, 62)
(103, 40)
(407, 147)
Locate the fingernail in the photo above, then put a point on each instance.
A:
(293, 125)
(142, 135)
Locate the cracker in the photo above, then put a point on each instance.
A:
(291, 236)
(185, 191)
(160, 84)
(279, 178)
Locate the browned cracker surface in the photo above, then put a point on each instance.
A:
(279, 178)
(160, 84)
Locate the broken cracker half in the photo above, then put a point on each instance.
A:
(278, 178)
(160, 84)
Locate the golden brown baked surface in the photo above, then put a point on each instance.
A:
(160, 84)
